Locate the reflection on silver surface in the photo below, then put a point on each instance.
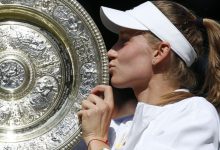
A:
(51, 55)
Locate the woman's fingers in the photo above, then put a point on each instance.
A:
(86, 104)
(106, 93)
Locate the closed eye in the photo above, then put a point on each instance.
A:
(122, 41)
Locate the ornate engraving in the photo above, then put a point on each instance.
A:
(12, 74)
(47, 65)
(88, 74)
(44, 92)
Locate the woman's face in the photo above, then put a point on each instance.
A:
(130, 60)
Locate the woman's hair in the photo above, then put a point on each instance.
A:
(122, 96)
(204, 35)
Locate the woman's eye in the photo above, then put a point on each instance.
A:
(122, 41)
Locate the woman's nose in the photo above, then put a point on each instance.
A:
(112, 54)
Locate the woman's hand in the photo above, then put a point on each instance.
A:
(96, 113)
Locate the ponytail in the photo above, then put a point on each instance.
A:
(212, 77)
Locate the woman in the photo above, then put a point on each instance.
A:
(160, 46)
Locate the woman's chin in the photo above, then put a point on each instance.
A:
(118, 84)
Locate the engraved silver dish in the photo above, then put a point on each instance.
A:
(51, 55)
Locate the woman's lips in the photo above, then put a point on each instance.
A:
(111, 67)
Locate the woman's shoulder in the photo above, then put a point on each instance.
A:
(195, 108)
(196, 103)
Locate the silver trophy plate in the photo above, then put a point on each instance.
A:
(51, 55)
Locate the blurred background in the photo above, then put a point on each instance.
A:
(203, 8)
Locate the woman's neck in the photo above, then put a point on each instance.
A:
(156, 88)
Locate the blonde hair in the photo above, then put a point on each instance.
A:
(185, 21)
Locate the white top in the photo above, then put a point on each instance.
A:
(191, 124)
(118, 131)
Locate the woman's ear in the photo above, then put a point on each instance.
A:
(161, 52)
